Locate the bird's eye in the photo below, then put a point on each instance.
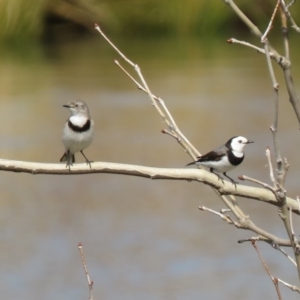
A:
(240, 141)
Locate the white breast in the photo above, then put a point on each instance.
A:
(78, 120)
(220, 166)
(75, 141)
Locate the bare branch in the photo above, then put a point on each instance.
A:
(90, 282)
(168, 119)
(271, 22)
(97, 27)
(186, 174)
(156, 101)
(247, 44)
(274, 280)
(243, 17)
(281, 60)
(274, 127)
(287, 70)
(272, 177)
(277, 247)
(294, 238)
(298, 201)
(292, 287)
(248, 225)
(286, 166)
(285, 8)
(221, 215)
(276, 242)
(265, 185)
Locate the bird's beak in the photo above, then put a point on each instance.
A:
(66, 105)
(249, 142)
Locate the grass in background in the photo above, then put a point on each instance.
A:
(31, 20)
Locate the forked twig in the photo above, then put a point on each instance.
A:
(224, 217)
(156, 101)
(276, 246)
(285, 8)
(167, 118)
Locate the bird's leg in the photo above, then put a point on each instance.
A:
(219, 177)
(70, 160)
(87, 161)
(233, 182)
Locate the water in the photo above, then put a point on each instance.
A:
(142, 239)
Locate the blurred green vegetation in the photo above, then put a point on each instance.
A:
(43, 20)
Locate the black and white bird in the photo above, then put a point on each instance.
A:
(225, 158)
(78, 132)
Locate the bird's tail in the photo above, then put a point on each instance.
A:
(65, 157)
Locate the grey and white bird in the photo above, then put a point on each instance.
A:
(224, 158)
(78, 132)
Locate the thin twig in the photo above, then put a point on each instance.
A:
(274, 280)
(265, 185)
(247, 44)
(274, 127)
(224, 217)
(167, 118)
(271, 22)
(270, 241)
(254, 29)
(97, 27)
(281, 60)
(294, 238)
(290, 4)
(230, 204)
(237, 207)
(285, 8)
(292, 287)
(90, 282)
(298, 200)
(286, 166)
(248, 225)
(274, 245)
(277, 247)
(272, 177)
(284, 30)
(165, 114)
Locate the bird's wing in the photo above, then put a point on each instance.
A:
(214, 155)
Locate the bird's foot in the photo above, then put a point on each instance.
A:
(86, 160)
(68, 165)
(232, 181)
(220, 178)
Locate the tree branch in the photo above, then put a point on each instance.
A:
(199, 175)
